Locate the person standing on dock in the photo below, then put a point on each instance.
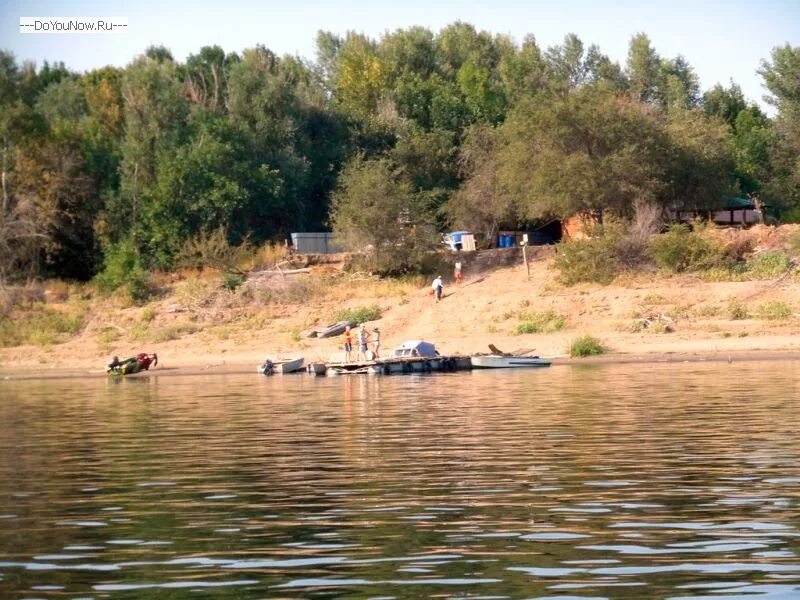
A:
(376, 343)
(437, 286)
(363, 344)
(348, 343)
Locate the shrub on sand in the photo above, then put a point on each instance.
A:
(586, 346)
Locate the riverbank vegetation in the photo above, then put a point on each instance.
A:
(193, 315)
(113, 173)
(162, 193)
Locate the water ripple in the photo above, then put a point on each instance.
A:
(607, 482)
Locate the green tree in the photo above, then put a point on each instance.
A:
(602, 70)
(375, 210)
(481, 204)
(361, 77)
(700, 160)
(782, 78)
(63, 100)
(409, 51)
(643, 69)
(723, 103)
(588, 152)
(281, 106)
(566, 64)
(752, 136)
(522, 72)
(207, 183)
(483, 96)
(460, 42)
(680, 86)
(206, 77)
(154, 117)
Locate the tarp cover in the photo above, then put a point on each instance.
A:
(422, 349)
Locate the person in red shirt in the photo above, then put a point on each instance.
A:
(145, 360)
(135, 364)
(348, 343)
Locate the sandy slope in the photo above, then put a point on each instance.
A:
(485, 309)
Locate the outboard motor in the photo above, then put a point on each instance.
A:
(268, 368)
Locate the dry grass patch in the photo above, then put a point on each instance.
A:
(707, 311)
(774, 311)
(41, 325)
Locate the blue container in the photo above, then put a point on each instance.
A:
(502, 241)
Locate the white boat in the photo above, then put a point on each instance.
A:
(281, 365)
(500, 361)
(415, 348)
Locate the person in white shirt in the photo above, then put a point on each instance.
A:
(437, 286)
(363, 336)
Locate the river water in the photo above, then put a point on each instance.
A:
(619, 481)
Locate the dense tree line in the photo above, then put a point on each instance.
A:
(385, 140)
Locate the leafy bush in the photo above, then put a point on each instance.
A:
(214, 250)
(434, 263)
(586, 346)
(794, 240)
(358, 315)
(592, 260)
(232, 281)
(539, 322)
(660, 327)
(791, 215)
(680, 249)
(774, 311)
(122, 269)
(737, 311)
(120, 261)
(711, 310)
(138, 286)
(138, 332)
(769, 265)
(612, 248)
(527, 327)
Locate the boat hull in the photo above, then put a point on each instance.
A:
(289, 366)
(281, 366)
(508, 362)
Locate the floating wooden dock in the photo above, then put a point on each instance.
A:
(395, 366)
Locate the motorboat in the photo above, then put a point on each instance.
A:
(507, 361)
(281, 365)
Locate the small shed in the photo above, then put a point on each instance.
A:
(314, 243)
(730, 211)
(415, 348)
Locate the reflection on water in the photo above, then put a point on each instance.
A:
(638, 481)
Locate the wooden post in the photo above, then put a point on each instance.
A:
(525, 258)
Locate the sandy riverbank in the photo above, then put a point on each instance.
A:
(24, 374)
(193, 337)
